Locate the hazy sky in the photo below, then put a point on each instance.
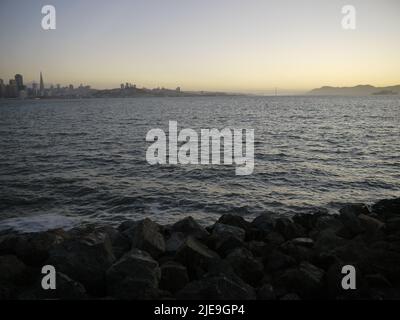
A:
(247, 45)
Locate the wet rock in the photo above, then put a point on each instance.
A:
(274, 238)
(119, 242)
(356, 209)
(174, 242)
(298, 252)
(235, 221)
(174, 276)
(67, 289)
(84, 259)
(135, 276)
(246, 266)
(387, 208)
(189, 227)
(12, 270)
(217, 288)
(277, 261)
(371, 225)
(351, 225)
(195, 256)
(32, 248)
(225, 238)
(266, 292)
(305, 280)
(145, 235)
(288, 229)
(304, 242)
(264, 223)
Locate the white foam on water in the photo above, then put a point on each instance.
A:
(38, 223)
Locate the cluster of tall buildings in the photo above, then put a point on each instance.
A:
(15, 88)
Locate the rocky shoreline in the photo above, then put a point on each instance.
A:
(266, 259)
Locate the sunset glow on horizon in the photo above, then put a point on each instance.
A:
(223, 45)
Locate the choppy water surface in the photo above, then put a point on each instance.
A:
(84, 160)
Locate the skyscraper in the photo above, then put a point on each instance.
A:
(41, 87)
(20, 82)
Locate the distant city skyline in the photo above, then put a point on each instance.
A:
(224, 45)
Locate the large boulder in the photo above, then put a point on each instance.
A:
(351, 224)
(84, 258)
(246, 266)
(277, 261)
(32, 248)
(356, 209)
(12, 270)
(262, 226)
(195, 256)
(189, 227)
(120, 242)
(289, 229)
(145, 235)
(225, 238)
(174, 276)
(135, 276)
(306, 280)
(235, 221)
(174, 242)
(387, 208)
(217, 288)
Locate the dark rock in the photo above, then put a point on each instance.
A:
(264, 223)
(146, 235)
(67, 289)
(259, 248)
(235, 221)
(277, 261)
(12, 270)
(327, 240)
(189, 227)
(377, 281)
(307, 221)
(225, 238)
(32, 248)
(304, 242)
(84, 259)
(356, 209)
(266, 292)
(217, 288)
(174, 242)
(298, 252)
(195, 256)
(135, 276)
(351, 223)
(387, 208)
(392, 225)
(246, 266)
(306, 280)
(174, 276)
(274, 238)
(120, 243)
(288, 229)
(373, 227)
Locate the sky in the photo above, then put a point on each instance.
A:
(223, 45)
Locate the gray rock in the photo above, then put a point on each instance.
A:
(264, 223)
(288, 229)
(356, 209)
(235, 221)
(189, 227)
(305, 280)
(266, 292)
(84, 259)
(195, 256)
(351, 223)
(387, 208)
(277, 261)
(225, 238)
(370, 224)
(174, 276)
(246, 266)
(174, 242)
(298, 252)
(145, 235)
(135, 276)
(304, 242)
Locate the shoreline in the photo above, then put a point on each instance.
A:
(269, 258)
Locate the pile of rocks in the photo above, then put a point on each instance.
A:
(281, 258)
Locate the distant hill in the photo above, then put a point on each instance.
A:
(360, 90)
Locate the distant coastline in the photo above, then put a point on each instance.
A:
(360, 90)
